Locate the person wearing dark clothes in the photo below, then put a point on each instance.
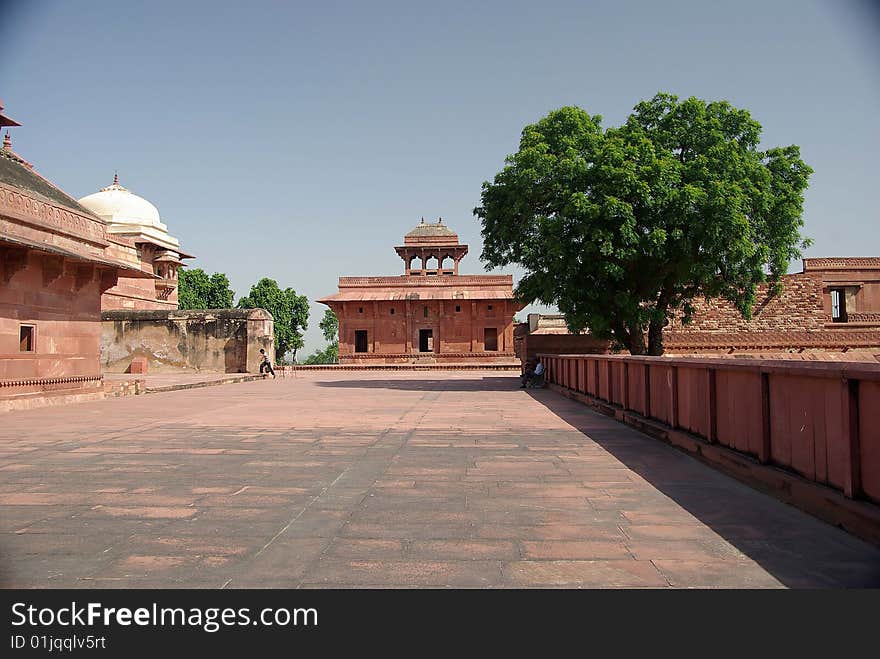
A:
(266, 363)
(532, 374)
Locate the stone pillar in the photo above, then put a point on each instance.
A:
(473, 326)
(407, 346)
(375, 324)
(439, 325)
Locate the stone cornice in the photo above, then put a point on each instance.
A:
(419, 281)
(842, 263)
(32, 382)
(24, 208)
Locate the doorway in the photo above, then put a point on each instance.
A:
(426, 340)
(360, 340)
(490, 339)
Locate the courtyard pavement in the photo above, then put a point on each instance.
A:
(394, 479)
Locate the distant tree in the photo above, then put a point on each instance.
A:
(289, 311)
(197, 290)
(329, 326)
(330, 329)
(622, 227)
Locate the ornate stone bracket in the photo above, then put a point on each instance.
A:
(164, 288)
(109, 278)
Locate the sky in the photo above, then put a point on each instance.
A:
(301, 141)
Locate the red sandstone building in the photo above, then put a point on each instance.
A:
(832, 306)
(138, 237)
(431, 313)
(57, 259)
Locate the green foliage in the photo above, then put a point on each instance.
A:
(330, 329)
(289, 311)
(329, 326)
(196, 290)
(620, 227)
(329, 355)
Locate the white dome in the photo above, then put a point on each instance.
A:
(117, 205)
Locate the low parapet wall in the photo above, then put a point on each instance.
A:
(810, 432)
(217, 340)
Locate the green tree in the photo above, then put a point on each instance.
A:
(330, 329)
(329, 326)
(622, 227)
(197, 290)
(289, 311)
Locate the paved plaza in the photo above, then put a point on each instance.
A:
(385, 479)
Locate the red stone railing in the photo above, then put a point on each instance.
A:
(820, 421)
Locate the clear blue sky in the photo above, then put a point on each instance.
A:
(302, 140)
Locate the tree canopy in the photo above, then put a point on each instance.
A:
(621, 227)
(330, 329)
(197, 290)
(289, 310)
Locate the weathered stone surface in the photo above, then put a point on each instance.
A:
(455, 479)
(223, 340)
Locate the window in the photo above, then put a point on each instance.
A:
(426, 312)
(490, 339)
(360, 309)
(490, 307)
(838, 305)
(360, 340)
(457, 308)
(392, 311)
(26, 338)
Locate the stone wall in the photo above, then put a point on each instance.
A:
(799, 307)
(214, 340)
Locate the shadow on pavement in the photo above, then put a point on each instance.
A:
(799, 550)
(488, 383)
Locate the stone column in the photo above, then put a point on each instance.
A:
(473, 326)
(375, 324)
(407, 346)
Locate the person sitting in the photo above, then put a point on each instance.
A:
(533, 375)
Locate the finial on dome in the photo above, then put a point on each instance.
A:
(439, 220)
(7, 142)
(423, 217)
(115, 177)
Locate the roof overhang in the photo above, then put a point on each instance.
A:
(130, 270)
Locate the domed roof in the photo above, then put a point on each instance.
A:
(431, 229)
(119, 206)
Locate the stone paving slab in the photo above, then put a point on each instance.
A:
(385, 479)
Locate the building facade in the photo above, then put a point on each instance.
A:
(431, 313)
(57, 259)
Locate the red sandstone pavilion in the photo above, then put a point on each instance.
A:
(431, 313)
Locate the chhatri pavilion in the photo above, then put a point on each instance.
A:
(429, 314)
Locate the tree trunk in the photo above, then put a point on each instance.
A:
(636, 340)
(655, 338)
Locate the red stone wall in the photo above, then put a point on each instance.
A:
(66, 312)
(817, 421)
(799, 307)
(136, 293)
